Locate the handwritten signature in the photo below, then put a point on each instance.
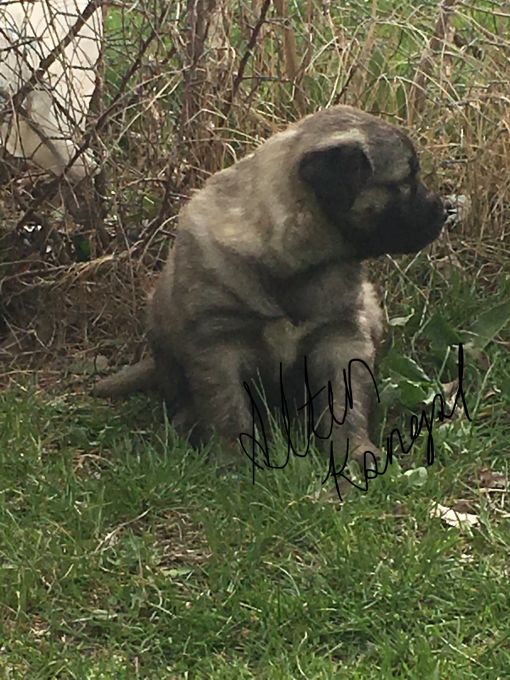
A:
(256, 445)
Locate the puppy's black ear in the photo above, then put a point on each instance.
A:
(336, 174)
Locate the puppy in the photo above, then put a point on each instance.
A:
(266, 270)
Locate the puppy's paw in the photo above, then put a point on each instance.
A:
(367, 455)
(225, 454)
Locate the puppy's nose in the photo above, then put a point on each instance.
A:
(437, 207)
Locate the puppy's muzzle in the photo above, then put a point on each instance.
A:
(435, 215)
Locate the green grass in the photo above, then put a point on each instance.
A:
(124, 555)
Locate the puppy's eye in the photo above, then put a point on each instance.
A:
(405, 189)
(396, 187)
(412, 185)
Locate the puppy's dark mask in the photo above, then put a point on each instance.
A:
(393, 222)
(336, 174)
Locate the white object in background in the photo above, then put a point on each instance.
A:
(453, 518)
(458, 209)
(58, 105)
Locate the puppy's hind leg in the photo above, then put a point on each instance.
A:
(220, 403)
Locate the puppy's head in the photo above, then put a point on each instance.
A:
(363, 174)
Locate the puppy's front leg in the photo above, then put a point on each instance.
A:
(342, 388)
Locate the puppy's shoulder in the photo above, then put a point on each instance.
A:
(225, 212)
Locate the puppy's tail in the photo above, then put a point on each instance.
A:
(139, 377)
